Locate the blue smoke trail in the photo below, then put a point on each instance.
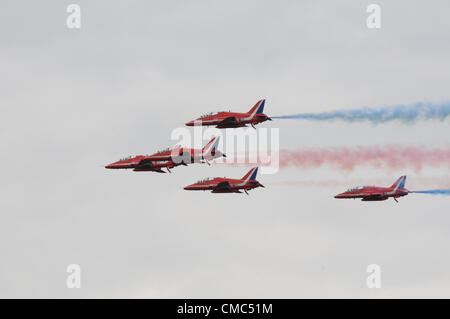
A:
(404, 113)
(434, 192)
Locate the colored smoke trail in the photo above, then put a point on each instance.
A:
(391, 157)
(404, 113)
(347, 159)
(445, 192)
(412, 182)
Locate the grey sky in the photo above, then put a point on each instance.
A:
(75, 100)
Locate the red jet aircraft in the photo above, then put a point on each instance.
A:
(170, 158)
(232, 119)
(227, 185)
(373, 193)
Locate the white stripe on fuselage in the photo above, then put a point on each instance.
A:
(395, 189)
(253, 114)
(248, 178)
(121, 164)
(207, 185)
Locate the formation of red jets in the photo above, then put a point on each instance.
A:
(172, 157)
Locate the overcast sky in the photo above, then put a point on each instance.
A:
(74, 100)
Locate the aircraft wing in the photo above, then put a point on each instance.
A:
(374, 196)
(223, 187)
(228, 122)
(145, 163)
(167, 157)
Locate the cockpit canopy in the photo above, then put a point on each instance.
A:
(128, 157)
(206, 180)
(207, 115)
(164, 150)
(355, 188)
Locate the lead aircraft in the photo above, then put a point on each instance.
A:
(233, 119)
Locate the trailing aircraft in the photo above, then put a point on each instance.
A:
(374, 193)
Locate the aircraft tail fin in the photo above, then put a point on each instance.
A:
(399, 183)
(251, 175)
(212, 145)
(258, 108)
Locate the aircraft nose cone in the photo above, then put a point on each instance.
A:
(190, 123)
(188, 188)
(338, 196)
(112, 165)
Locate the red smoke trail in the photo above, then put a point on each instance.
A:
(393, 157)
(413, 182)
(347, 159)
